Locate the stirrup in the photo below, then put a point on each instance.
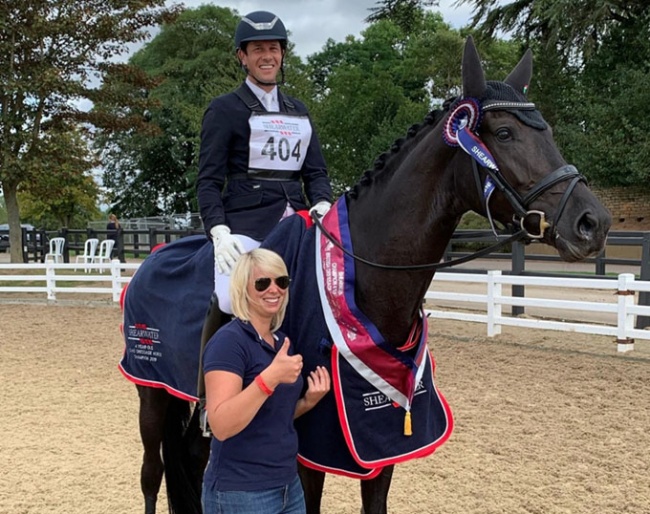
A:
(203, 419)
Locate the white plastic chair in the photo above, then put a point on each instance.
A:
(56, 250)
(88, 257)
(105, 250)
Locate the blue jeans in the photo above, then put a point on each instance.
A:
(288, 499)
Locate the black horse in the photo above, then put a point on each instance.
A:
(401, 216)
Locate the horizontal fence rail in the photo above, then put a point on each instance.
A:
(54, 279)
(619, 301)
(615, 314)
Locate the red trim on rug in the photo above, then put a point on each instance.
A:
(123, 296)
(422, 452)
(159, 385)
(305, 215)
(372, 473)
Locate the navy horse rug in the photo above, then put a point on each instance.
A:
(164, 309)
(385, 408)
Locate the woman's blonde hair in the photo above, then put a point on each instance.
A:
(265, 261)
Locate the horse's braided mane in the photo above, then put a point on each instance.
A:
(387, 161)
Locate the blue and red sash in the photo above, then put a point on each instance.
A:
(382, 394)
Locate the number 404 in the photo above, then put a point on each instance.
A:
(282, 149)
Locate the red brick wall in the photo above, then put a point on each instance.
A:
(630, 206)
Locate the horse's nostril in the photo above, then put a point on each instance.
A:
(587, 224)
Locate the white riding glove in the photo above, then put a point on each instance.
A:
(320, 208)
(227, 248)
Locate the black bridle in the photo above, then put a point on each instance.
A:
(519, 204)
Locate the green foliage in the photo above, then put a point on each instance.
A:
(191, 61)
(54, 51)
(404, 13)
(473, 221)
(609, 136)
(371, 90)
(591, 78)
(66, 194)
(70, 205)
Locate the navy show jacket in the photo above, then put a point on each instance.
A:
(250, 206)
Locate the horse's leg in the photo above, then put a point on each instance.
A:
(374, 492)
(213, 320)
(183, 475)
(153, 408)
(312, 484)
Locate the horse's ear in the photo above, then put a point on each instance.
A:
(519, 78)
(473, 77)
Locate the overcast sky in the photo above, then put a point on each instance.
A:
(313, 22)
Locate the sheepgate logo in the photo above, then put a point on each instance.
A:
(143, 334)
(282, 127)
(376, 400)
(143, 339)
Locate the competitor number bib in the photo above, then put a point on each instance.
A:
(279, 141)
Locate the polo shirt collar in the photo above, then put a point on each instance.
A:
(250, 329)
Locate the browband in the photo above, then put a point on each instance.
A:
(495, 105)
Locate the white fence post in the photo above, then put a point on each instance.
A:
(625, 320)
(116, 275)
(50, 282)
(494, 308)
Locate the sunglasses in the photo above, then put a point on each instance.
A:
(262, 284)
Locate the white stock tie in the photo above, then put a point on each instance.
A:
(268, 101)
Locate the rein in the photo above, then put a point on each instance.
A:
(416, 267)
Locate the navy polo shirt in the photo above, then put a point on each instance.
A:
(263, 455)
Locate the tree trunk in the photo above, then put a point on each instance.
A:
(13, 218)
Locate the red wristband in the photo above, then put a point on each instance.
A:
(262, 385)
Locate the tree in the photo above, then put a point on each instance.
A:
(591, 77)
(3, 210)
(607, 135)
(545, 21)
(69, 197)
(371, 90)
(53, 53)
(404, 13)
(368, 92)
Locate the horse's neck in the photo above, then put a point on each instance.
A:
(406, 219)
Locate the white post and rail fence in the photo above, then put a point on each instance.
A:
(607, 307)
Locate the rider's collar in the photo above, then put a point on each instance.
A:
(259, 92)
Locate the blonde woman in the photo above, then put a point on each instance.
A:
(253, 386)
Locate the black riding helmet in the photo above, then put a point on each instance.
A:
(260, 26)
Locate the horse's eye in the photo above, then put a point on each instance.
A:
(504, 134)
